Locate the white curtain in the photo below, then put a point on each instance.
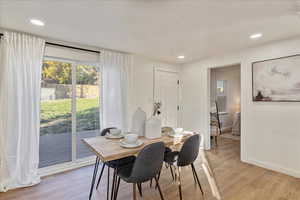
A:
(20, 74)
(117, 89)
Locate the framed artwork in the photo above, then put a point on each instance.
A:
(276, 79)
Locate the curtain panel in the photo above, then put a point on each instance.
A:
(117, 89)
(20, 74)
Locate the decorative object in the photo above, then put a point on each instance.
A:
(156, 110)
(277, 79)
(138, 122)
(153, 128)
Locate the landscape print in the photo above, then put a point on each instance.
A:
(277, 79)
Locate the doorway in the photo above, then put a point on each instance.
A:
(225, 104)
(70, 110)
(166, 91)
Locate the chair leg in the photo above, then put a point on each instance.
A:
(193, 167)
(158, 177)
(159, 174)
(94, 177)
(139, 185)
(101, 173)
(158, 186)
(134, 191)
(179, 182)
(194, 175)
(171, 170)
(175, 173)
(113, 184)
(216, 141)
(166, 165)
(107, 192)
(117, 188)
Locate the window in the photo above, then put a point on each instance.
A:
(221, 96)
(70, 110)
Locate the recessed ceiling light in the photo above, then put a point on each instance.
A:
(256, 35)
(37, 22)
(181, 57)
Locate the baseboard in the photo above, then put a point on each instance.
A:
(51, 170)
(273, 167)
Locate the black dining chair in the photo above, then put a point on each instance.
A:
(185, 157)
(145, 167)
(114, 164)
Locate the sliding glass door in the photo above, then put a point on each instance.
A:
(87, 106)
(70, 104)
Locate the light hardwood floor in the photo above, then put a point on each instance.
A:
(237, 181)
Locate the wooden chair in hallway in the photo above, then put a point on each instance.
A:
(215, 124)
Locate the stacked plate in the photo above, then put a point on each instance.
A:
(111, 136)
(125, 144)
(131, 141)
(115, 134)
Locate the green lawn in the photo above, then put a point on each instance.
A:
(56, 115)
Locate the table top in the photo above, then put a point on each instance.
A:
(110, 149)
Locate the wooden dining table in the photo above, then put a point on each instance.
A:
(107, 149)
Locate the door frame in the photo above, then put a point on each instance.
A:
(207, 143)
(156, 70)
(74, 162)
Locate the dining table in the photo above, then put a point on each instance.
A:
(106, 149)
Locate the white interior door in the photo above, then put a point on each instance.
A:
(167, 92)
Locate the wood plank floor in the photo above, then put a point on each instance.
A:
(237, 181)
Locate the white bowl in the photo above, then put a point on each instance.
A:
(131, 138)
(178, 131)
(115, 131)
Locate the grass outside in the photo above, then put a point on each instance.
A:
(56, 115)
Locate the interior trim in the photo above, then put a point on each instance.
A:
(67, 46)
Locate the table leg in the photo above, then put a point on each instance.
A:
(108, 174)
(94, 177)
(134, 191)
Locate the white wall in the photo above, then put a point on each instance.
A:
(144, 81)
(270, 130)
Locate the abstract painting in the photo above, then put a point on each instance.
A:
(276, 79)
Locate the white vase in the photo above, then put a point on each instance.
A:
(138, 122)
(153, 128)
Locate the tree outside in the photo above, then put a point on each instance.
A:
(56, 100)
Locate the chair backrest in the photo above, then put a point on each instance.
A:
(189, 151)
(105, 131)
(218, 116)
(148, 163)
(215, 118)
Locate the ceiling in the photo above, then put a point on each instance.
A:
(159, 29)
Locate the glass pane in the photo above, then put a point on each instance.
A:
(222, 95)
(220, 87)
(56, 122)
(87, 106)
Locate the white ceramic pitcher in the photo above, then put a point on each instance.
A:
(138, 122)
(153, 128)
